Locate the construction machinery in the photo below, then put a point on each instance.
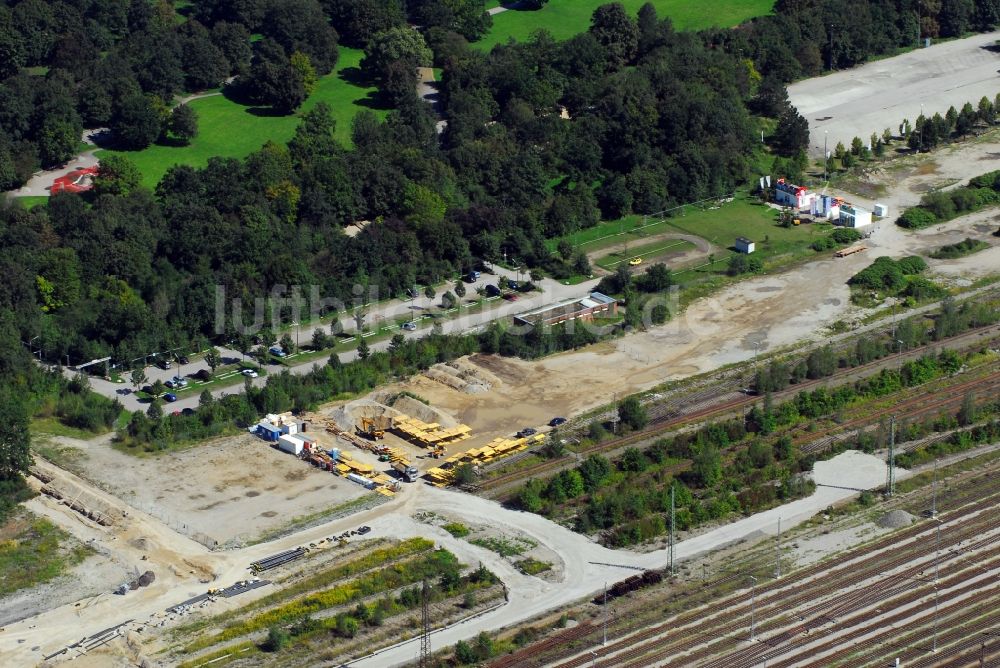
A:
(373, 428)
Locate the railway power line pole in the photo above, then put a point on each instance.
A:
(777, 553)
(605, 625)
(890, 479)
(937, 590)
(425, 638)
(753, 608)
(673, 528)
(934, 497)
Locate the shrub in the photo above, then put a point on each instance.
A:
(916, 218)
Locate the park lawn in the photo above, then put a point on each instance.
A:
(565, 18)
(31, 201)
(230, 130)
(648, 252)
(52, 426)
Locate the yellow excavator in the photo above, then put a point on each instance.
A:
(372, 429)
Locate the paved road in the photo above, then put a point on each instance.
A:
(879, 95)
(585, 563)
(388, 311)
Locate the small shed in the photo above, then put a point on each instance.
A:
(881, 210)
(744, 245)
(268, 431)
(291, 427)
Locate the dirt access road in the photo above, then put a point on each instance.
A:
(183, 567)
(879, 95)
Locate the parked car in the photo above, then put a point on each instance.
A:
(635, 262)
(472, 276)
(527, 431)
(182, 359)
(179, 381)
(363, 530)
(513, 285)
(169, 384)
(412, 293)
(164, 364)
(187, 411)
(277, 351)
(409, 326)
(170, 396)
(556, 421)
(492, 290)
(249, 373)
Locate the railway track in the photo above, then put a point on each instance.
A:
(984, 486)
(804, 586)
(712, 403)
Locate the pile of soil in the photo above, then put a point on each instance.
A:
(896, 519)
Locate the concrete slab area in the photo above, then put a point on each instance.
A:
(879, 95)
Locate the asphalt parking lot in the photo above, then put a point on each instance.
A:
(879, 95)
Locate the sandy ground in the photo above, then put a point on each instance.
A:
(230, 490)
(879, 95)
(773, 311)
(183, 567)
(585, 572)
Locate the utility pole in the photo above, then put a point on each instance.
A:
(425, 638)
(605, 643)
(890, 481)
(777, 553)
(673, 527)
(934, 497)
(937, 564)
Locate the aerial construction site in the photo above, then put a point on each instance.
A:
(757, 428)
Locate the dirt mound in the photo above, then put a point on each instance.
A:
(146, 579)
(896, 519)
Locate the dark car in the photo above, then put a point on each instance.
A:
(187, 411)
(164, 364)
(492, 290)
(555, 422)
(527, 431)
(472, 276)
(363, 530)
(182, 359)
(513, 285)
(170, 396)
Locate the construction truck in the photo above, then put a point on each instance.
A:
(406, 471)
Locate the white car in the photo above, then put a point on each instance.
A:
(249, 373)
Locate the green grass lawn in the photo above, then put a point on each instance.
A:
(227, 129)
(647, 252)
(52, 426)
(565, 18)
(31, 201)
(33, 550)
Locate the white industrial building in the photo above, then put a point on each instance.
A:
(854, 216)
(788, 194)
(744, 245)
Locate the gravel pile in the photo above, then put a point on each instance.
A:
(896, 519)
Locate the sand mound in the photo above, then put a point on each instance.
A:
(896, 519)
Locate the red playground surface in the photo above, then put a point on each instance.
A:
(76, 181)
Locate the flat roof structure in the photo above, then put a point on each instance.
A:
(571, 309)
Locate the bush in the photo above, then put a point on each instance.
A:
(744, 264)
(916, 218)
(276, 639)
(961, 249)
